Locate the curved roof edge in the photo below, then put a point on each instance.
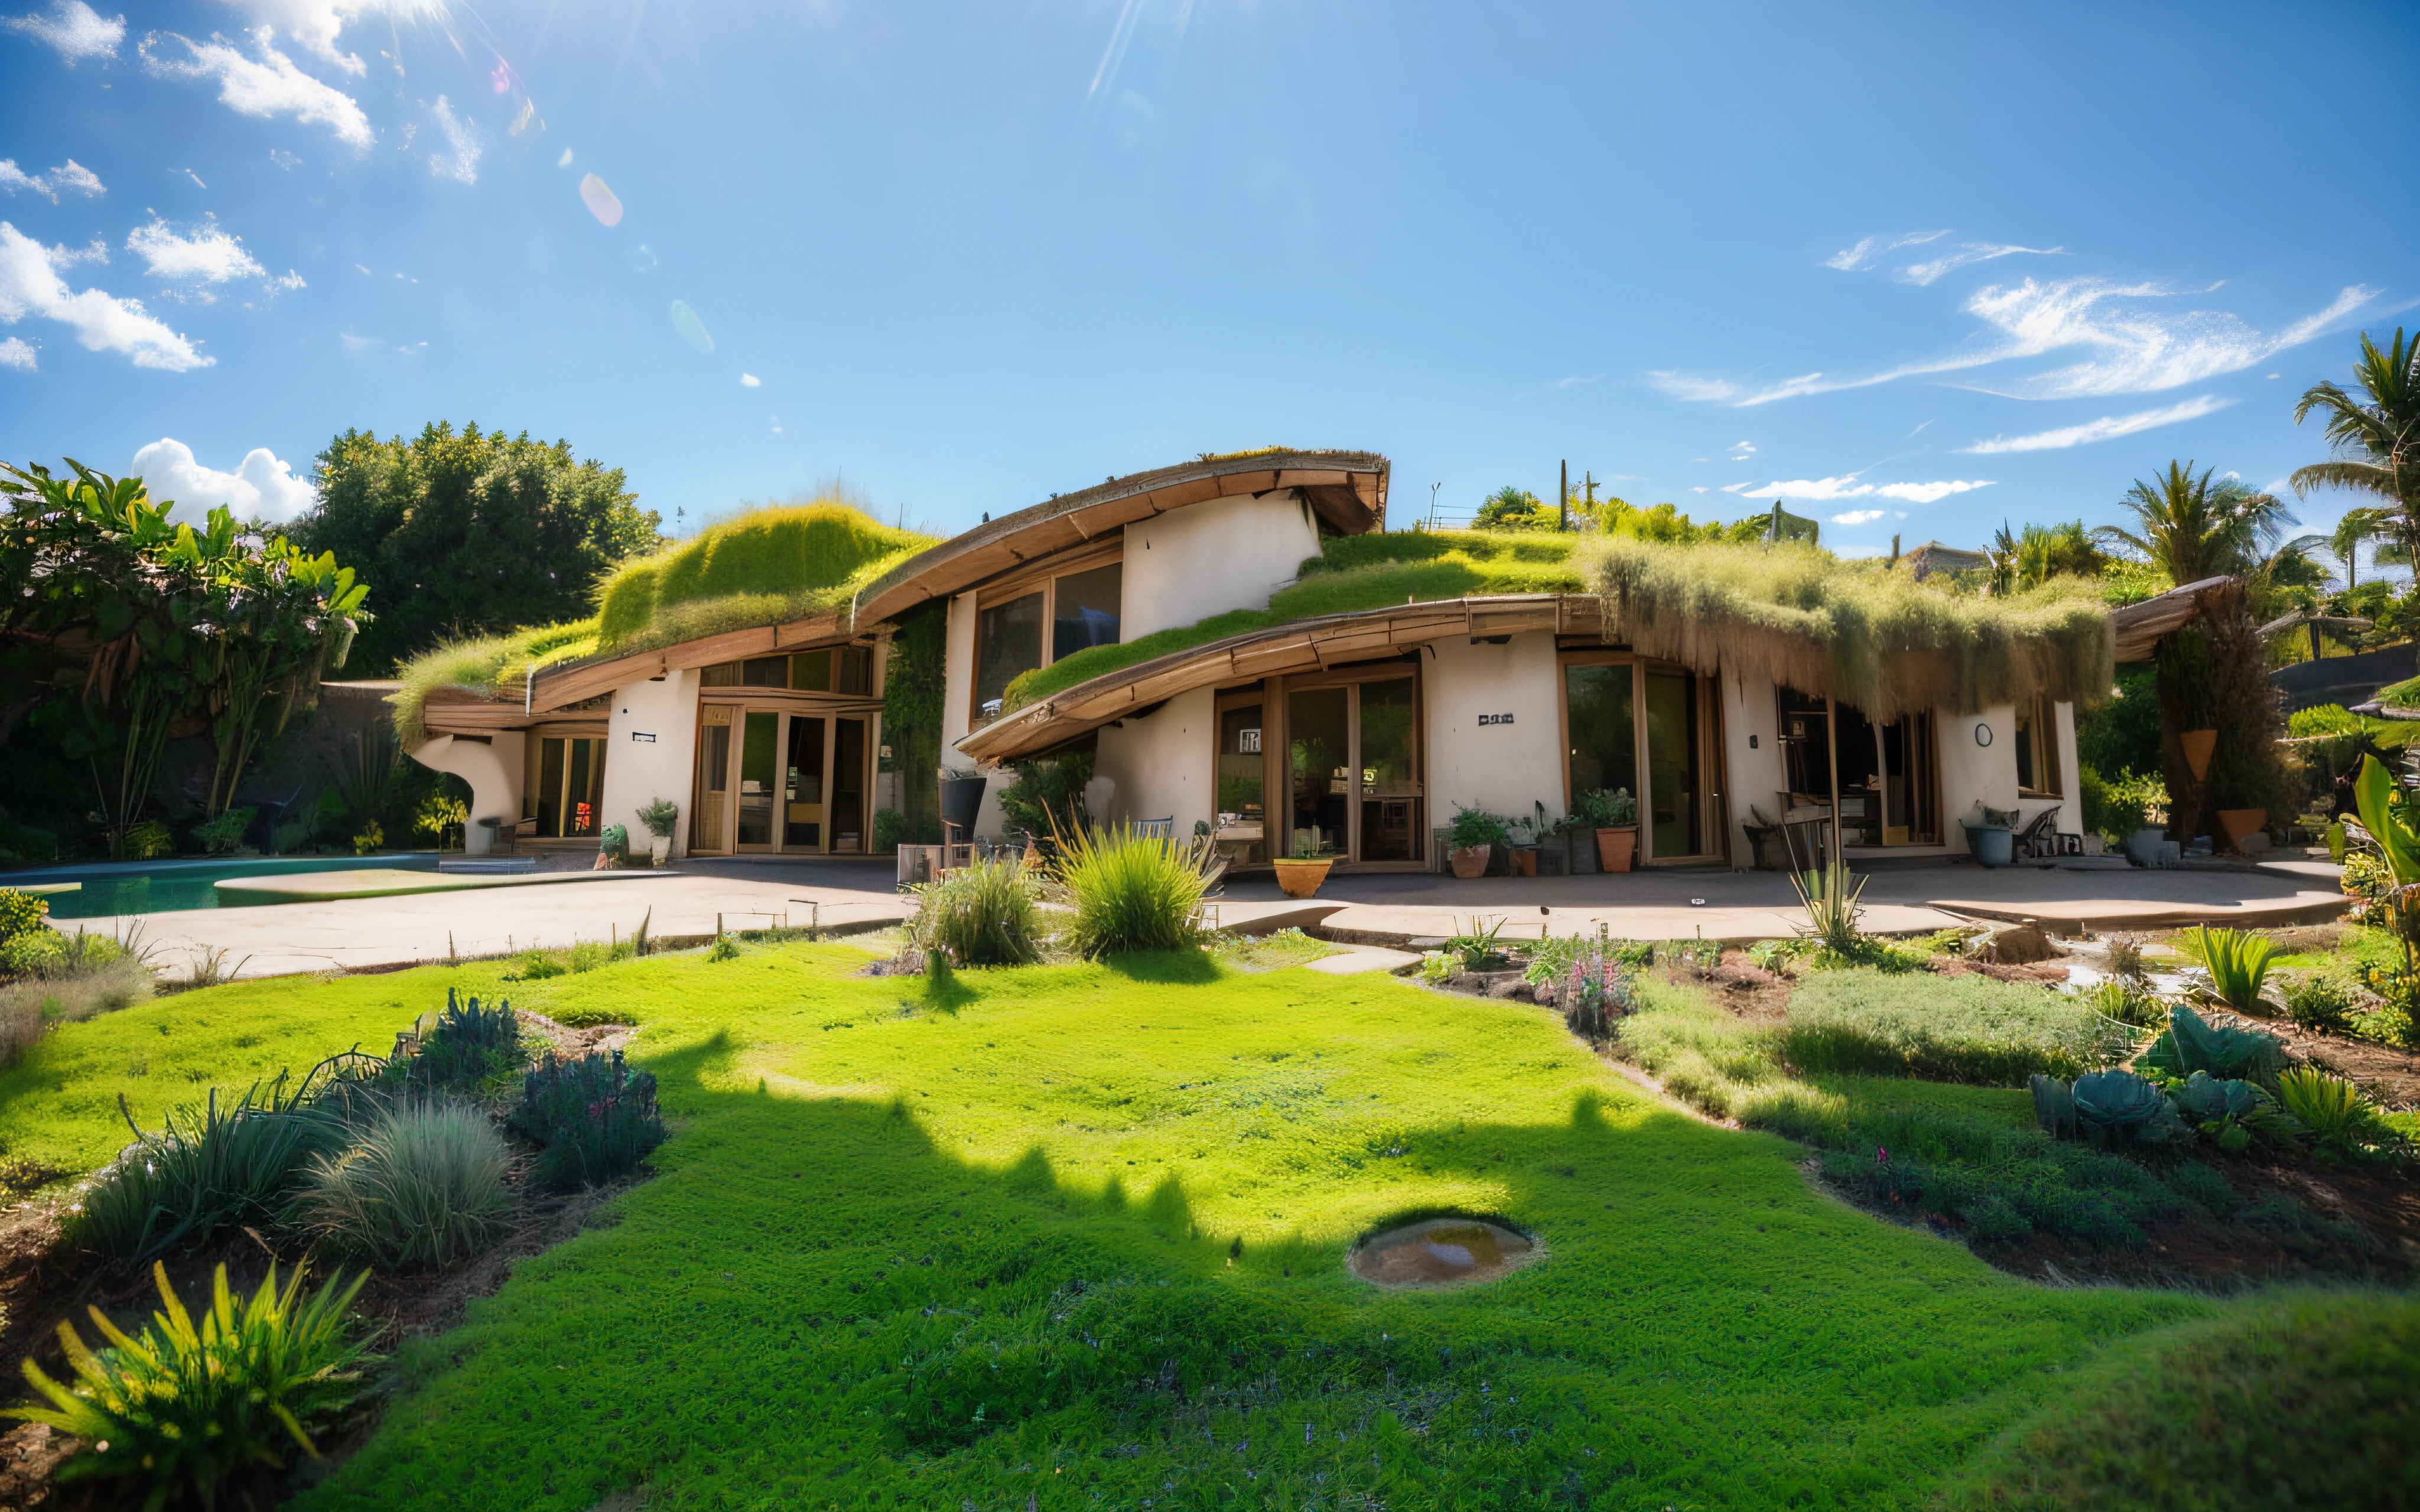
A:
(1348, 489)
(2137, 627)
(1297, 646)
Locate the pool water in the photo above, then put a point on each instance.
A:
(178, 887)
(1440, 1252)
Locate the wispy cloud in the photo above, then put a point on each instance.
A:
(2107, 428)
(1872, 250)
(1848, 487)
(64, 257)
(74, 28)
(316, 25)
(265, 86)
(70, 178)
(15, 353)
(2134, 339)
(460, 162)
(1859, 517)
(749, 380)
(30, 285)
(1966, 252)
(1741, 451)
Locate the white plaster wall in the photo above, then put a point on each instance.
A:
(2071, 813)
(638, 772)
(1502, 767)
(493, 769)
(1208, 558)
(1752, 775)
(957, 714)
(1972, 774)
(1165, 765)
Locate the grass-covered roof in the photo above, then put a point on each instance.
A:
(766, 566)
(1853, 631)
(1352, 572)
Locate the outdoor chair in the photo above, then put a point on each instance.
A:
(1156, 829)
(2040, 835)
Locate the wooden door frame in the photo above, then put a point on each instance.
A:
(1351, 676)
(1713, 817)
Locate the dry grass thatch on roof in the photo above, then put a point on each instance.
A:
(488, 667)
(767, 566)
(1852, 630)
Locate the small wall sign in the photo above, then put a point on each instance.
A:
(642, 738)
(1494, 718)
(1248, 742)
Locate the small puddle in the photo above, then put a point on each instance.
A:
(1436, 1253)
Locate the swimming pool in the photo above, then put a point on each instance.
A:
(175, 887)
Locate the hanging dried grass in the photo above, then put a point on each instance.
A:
(1852, 630)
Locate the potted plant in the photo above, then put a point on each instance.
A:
(659, 817)
(1529, 835)
(1473, 837)
(1613, 814)
(1301, 873)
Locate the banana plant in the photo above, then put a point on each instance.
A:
(2389, 823)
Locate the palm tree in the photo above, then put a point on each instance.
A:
(2192, 528)
(2378, 444)
(2344, 542)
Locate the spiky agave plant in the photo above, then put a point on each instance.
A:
(2238, 963)
(190, 1404)
(1830, 897)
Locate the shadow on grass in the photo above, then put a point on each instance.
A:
(1167, 968)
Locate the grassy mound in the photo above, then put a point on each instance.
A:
(1351, 572)
(761, 567)
(2300, 1400)
(493, 665)
(1947, 1028)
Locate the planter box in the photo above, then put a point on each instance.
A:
(1523, 859)
(1617, 848)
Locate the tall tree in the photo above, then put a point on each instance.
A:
(469, 532)
(2193, 528)
(2377, 443)
(2344, 542)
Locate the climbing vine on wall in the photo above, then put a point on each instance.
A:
(913, 692)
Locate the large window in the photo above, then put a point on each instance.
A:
(1057, 618)
(848, 670)
(564, 786)
(1648, 730)
(1889, 774)
(2038, 750)
(1353, 771)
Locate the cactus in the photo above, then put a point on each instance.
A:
(2054, 1106)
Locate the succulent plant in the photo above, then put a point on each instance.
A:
(2115, 1100)
(2054, 1105)
(2192, 1043)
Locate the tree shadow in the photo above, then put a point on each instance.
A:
(1167, 968)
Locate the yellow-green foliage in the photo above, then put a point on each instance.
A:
(1855, 630)
(493, 665)
(1351, 572)
(761, 567)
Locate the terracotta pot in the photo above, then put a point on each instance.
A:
(1615, 848)
(2239, 823)
(1301, 879)
(1523, 861)
(2198, 744)
(1471, 860)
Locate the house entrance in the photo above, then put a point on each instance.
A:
(779, 781)
(566, 789)
(1625, 721)
(1888, 776)
(1352, 772)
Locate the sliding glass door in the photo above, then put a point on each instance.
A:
(779, 781)
(1353, 776)
(568, 788)
(1650, 730)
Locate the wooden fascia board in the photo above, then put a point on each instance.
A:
(555, 687)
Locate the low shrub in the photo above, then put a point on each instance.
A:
(2295, 1399)
(2126, 999)
(2237, 961)
(2192, 1043)
(223, 835)
(1133, 892)
(210, 1168)
(595, 1117)
(1705, 1057)
(190, 1404)
(422, 1187)
(20, 912)
(2332, 1112)
(982, 915)
(468, 1049)
(1968, 1029)
(2323, 1002)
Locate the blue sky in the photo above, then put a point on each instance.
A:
(1915, 269)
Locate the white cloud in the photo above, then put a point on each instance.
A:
(260, 488)
(1696, 488)
(316, 25)
(284, 158)
(358, 345)
(72, 177)
(1926, 493)
(15, 353)
(268, 86)
(76, 29)
(64, 257)
(2107, 428)
(749, 380)
(1741, 451)
(1859, 517)
(290, 282)
(564, 162)
(208, 255)
(2136, 343)
(1873, 249)
(30, 285)
(1682, 386)
(1971, 252)
(1825, 489)
(460, 161)
(1734, 487)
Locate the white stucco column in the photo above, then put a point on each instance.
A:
(492, 767)
(1516, 758)
(651, 754)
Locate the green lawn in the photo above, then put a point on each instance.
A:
(917, 1254)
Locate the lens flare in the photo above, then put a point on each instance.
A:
(641, 260)
(692, 328)
(600, 201)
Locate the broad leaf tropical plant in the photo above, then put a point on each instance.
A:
(2389, 823)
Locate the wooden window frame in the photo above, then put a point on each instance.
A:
(1714, 806)
(1038, 578)
(2043, 738)
(1277, 783)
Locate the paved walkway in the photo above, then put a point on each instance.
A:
(1385, 910)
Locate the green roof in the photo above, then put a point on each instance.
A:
(766, 566)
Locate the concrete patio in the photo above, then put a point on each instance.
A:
(1387, 909)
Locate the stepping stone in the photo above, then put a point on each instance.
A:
(1366, 958)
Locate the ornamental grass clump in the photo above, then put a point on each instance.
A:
(1969, 1029)
(1132, 892)
(190, 1405)
(212, 1167)
(468, 1048)
(982, 915)
(2237, 963)
(420, 1188)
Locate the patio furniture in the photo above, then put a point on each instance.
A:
(1156, 829)
(2041, 838)
(1806, 832)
